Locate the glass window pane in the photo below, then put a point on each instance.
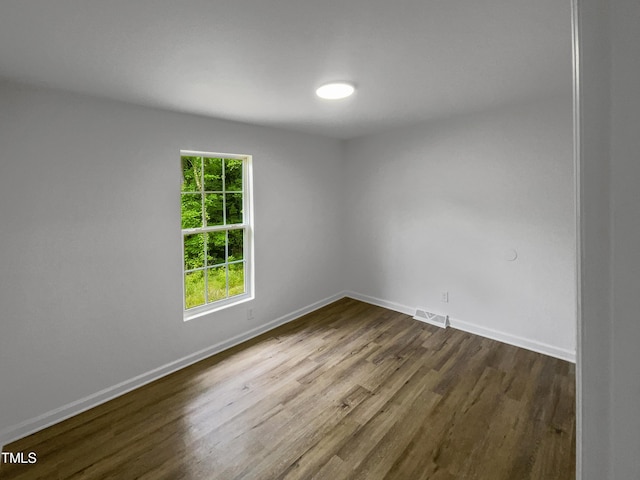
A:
(234, 208)
(233, 175)
(191, 210)
(213, 174)
(194, 289)
(236, 279)
(193, 251)
(191, 174)
(214, 209)
(216, 283)
(236, 245)
(216, 247)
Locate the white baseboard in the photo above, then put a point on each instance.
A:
(32, 425)
(544, 348)
(381, 303)
(552, 351)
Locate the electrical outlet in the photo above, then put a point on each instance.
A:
(249, 313)
(444, 297)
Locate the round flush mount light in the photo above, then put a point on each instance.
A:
(335, 90)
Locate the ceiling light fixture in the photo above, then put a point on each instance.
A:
(335, 90)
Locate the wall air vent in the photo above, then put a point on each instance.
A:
(441, 321)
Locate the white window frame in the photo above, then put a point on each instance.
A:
(247, 226)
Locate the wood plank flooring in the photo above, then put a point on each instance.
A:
(351, 391)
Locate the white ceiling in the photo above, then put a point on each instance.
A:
(259, 61)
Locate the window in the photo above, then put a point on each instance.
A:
(216, 230)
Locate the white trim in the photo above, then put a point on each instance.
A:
(215, 228)
(200, 311)
(381, 303)
(544, 348)
(197, 153)
(577, 159)
(500, 336)
(32, 425)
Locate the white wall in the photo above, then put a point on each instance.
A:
(437, 207)
(90, 283)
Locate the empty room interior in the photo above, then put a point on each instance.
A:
(210, 272)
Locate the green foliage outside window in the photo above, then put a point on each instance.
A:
(212, 195)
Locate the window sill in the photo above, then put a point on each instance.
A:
(216, 307)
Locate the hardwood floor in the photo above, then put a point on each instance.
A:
(351, 391)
